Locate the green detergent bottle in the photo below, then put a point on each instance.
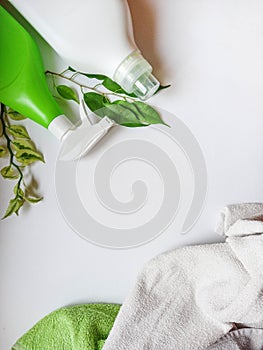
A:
(23, 87)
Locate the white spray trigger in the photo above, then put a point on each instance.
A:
(78, 142)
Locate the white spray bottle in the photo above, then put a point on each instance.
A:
(93, 36)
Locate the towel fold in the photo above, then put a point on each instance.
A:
(82, 327)
(188, 298)
(235, 212)
(240, 339)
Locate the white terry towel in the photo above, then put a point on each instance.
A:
(188, 298)
(240, 339)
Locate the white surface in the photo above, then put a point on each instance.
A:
(211, 52)
(116, 181)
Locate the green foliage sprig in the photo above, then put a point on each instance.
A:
(21, 152)
(107, 98)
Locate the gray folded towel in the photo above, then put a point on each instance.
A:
(188, 298)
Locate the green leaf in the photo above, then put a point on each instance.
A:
(19, 204)
(95, 101)
(33, 199)
(132, 114)
(95, 76)
(122, 114)
(147, 113)
(18, 131)
(67, 93)
(28, 156)
(20, 144)
(9, 172)
(13, 207)
(15, 115)
(161, 87)
(18, 191)
(107, 82)
(89, 75)
(71, 69)
(2, 151)
(113, 86)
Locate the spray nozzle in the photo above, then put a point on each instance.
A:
(78, 140)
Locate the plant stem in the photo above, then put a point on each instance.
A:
(8, 145)
(93, 88)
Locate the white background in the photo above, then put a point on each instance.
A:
(211, 51)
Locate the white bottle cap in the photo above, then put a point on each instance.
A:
(134, 76)
(60, 126)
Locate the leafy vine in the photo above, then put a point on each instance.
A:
(21, 152)
(106, 97)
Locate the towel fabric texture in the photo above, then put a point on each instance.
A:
(82, 327)
(240, 339)
(189, 298)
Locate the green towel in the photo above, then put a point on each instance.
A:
(82, 327)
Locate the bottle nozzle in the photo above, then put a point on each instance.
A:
(134, 75)
(145, 86)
